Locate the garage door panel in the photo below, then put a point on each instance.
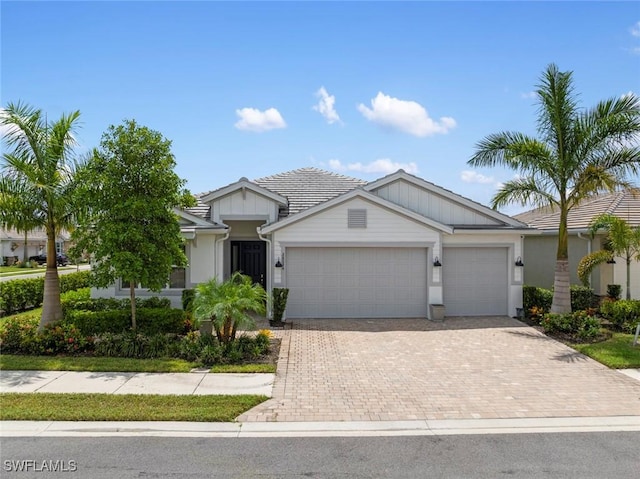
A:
(475, 281)
(356, 282)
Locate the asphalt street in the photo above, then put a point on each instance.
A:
(566, 455)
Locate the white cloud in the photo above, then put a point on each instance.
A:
(252, 119)
(528, 95)
(407, 116)
(325, 106)
(635, 30)
(383, 165)
(470, 176)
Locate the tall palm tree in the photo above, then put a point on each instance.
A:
(228, 303)
(18, 211)
(41, 163)
(579, 153)
(621, 240)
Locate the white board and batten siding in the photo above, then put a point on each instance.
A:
(245, 203)
(432, 205)
(333, 271)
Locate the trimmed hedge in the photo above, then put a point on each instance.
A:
(623, 314)
(149, 321)
(582, 298)
(22, 294)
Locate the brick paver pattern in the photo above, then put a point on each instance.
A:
(413, 369)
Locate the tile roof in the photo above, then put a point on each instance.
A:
(623, 204)
(307, 187)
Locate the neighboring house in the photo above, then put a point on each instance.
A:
(12, 244)
(540, 251)
(347, 248)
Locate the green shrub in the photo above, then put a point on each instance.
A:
(74, 281)
(18, 333)
(150, 321)
(623, 314)
(188, 295)
(614, 291)
(538, 298)
(279, 296)
(64, 338)
(21, 294)
(579, 325)
(582, 298)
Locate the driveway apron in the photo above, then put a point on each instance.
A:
(413, 369)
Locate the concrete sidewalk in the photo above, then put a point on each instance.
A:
(319, 429)
(135, 383)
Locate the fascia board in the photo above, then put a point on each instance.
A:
(193, 218)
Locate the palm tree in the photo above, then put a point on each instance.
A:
(621, 240)
(40, 163)
(18, 211)
(580, 153)
(228, 303)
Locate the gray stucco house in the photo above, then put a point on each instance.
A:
(347, 248)
(540, 250)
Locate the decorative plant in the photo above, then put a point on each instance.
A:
(279, 302)
(228, 303)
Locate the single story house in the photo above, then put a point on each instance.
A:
(347, 248)
(12, 244)
(541, 250)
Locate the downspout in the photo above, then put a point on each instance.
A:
(269, 263)
(588, 240)
(215, 254)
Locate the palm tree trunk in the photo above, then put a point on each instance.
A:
(132, 297)
(51, 306)
(25, 255)
(561, 282)
(628, 277)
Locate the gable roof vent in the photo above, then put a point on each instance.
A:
(357, 218)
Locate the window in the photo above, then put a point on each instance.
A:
(356, 218)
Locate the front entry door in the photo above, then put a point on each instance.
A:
(249, 257)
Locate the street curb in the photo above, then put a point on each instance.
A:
(319, 429)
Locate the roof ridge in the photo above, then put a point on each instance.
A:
(619, 196)
(309, 169)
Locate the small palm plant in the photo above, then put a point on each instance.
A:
(621, 240)
(228, 303)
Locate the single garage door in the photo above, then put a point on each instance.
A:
(475, 281)
(356, 282)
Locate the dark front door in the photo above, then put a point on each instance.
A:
(249, 257)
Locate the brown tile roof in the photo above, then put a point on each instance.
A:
(623, 204)
(307, 187)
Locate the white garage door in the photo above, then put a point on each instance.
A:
(356, 282)
(475, 281)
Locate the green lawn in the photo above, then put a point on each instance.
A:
(104, 364)
(94, 364)
(616, 352)
(15, 270)
(123, 407)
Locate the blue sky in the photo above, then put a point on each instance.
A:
(360, 88)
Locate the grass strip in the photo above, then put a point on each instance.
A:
(244, 368)
(616, 352)
(123, 407)
(93, 364)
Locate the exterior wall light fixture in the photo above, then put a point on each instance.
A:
(436, 262)
(519, 261)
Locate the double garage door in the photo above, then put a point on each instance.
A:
(356, 282)
(392, 282)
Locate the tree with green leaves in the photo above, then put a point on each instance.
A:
(17, 211)
(579, 153)
(131, 229)
(621, 240)
(38, 174)
(228, 303)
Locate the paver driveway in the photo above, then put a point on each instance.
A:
(355, 370)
